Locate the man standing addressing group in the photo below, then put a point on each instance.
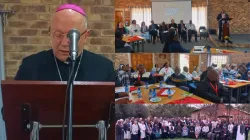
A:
(52, 65)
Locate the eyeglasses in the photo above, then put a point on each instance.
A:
(59, 35)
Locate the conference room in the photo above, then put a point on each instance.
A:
(172, 78)
(180, 26)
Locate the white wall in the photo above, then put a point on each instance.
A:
(167, 10)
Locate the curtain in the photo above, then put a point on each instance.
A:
(141, 14)
(199, 16)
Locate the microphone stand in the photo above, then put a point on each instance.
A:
(70, 89)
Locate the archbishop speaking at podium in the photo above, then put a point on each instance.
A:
(53, 65)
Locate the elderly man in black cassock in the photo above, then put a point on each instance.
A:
(52, 65)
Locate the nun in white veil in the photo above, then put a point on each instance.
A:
(241, 132)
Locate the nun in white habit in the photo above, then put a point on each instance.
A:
(241, 132)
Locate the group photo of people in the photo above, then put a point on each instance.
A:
(194, 122)
(208, 77)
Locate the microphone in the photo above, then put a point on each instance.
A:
(74, 36)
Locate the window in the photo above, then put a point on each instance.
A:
(199, 16)
(219, 60)
(141, 14)
(184, 61)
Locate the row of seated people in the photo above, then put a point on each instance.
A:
(138, 128)
(155, 30)
(172, 43)
(204, 84)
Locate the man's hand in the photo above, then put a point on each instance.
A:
(142, 83)
(122, 101)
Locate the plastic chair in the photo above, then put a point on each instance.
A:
(203, 32)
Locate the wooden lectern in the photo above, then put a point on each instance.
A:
(225, 28)
(43, 102)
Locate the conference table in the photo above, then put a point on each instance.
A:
(238, 84)
(134, 39)
(179, 97)
(216, 51)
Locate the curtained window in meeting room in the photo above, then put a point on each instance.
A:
(141, 14)
(199, 16)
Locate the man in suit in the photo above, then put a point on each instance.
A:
(211, 89)
(182, 31)
(153, 30)
(53, 65)
(222, 18)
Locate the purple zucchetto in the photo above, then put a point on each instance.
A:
(72, 7)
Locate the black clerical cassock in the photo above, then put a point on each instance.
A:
(44, 66)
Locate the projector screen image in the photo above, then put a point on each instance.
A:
(165, 11)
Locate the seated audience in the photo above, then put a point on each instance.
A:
(163, 28)
(166, 72)
(211, 89)
(204, 73)
(179, 80)
(188, 76)
(121, 45)
(124, 76)
(156, 69)
(173, 25)
(142, 77)
(153, 30)
(173, 45)
(145, 31)
(134, 29)
(196, 72)
(182, 31)
(191, 30)
(120, 27)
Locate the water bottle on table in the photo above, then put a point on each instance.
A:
(169, 94)
(139, 93)
(161, 85)
(126, 88)
(226, 81)
(154, 93)
(146, 85)
(150, 94)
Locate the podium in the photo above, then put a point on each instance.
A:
(225, 28)
(26, 102)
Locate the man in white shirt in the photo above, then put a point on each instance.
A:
(185, 72)
(230, 129)
(191, 30)
(166, 72)
(134, 29)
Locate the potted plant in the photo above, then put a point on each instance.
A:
(226, 38)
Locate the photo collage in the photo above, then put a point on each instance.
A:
(182, 70)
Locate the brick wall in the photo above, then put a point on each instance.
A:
(239, 58)
(203, 66)
(162, 58)
(237, 9)
(221, 110)
(27, 31)
(240, 24)
(121, 58)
